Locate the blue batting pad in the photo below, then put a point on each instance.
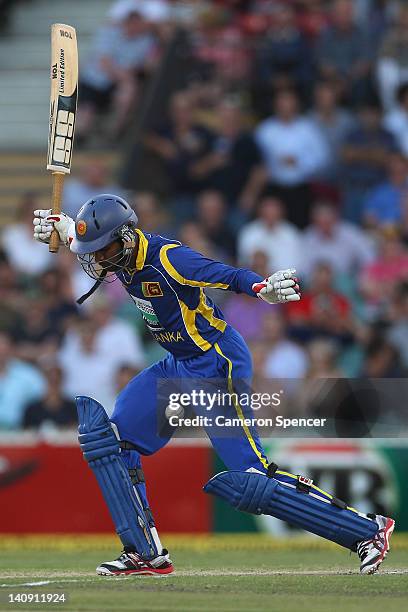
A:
(258, 494)
(101, 450)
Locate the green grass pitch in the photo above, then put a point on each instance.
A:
(220, 572)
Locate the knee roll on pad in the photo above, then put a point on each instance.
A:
(258, 494)
(101, 450)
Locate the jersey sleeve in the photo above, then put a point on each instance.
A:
(188, 267)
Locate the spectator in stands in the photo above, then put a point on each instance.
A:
(259, 263)
(124, 375)
(285, 359)
(213, 220)
(20, 384)
(74, 281)
(94, 348)
(53, 409)
(334, 122)
(222, 49)
(387, 204)
(259, 353)
(313, 18)
(392, 67)
(283, 56)
(192, 234)
(54, 287)
(294, 152)
(374, 16)
(382, 360)
(11, 297)
(25, 254)
(152, 216)
(180, 143)
(316, 396)
(115, 336)
(323, 355)
(86, 370)
(322, 312)
(271, 232)
(380, 277)
(233, 158)
(343, 246)
(36, 335)
(94, 178)
(121, 52)
(396, 120)
(364, 155)
(243, 312)
(344, 52)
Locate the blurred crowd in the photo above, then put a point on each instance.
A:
(286, 147)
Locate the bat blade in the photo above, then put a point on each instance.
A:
(64, 95)
(63, 106)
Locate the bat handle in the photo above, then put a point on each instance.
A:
(56, 208)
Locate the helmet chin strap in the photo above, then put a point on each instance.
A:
(94, 287)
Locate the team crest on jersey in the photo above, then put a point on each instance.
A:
(81, 227)
(152, 289)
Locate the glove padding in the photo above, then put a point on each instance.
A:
(280, 287)
(44, 222)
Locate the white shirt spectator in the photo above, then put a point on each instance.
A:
(121, 341)
(346, 249)
(286, 360)
(280, 243)
(24, 253)
(396, 122)
(88, 373)
(297, 140)
(92, 372)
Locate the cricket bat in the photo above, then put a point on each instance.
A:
(63, 105)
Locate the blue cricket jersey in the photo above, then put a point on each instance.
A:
(167, 285)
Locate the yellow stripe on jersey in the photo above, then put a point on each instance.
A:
(171, 270)
(238, 409)
(208, 313)
(142, 250)
(189, 321)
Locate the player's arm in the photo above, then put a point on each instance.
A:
(188, 267)
(45, 222)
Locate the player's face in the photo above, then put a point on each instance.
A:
(108, 257)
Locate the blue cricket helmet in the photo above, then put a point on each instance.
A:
(98, 222)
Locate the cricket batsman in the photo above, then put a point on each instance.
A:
(166, 281)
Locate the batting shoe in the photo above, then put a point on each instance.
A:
(131, 563)
(373, 552)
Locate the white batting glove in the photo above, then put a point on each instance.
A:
(280, 287)
(44, 222)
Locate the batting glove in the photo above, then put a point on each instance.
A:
(280, 287)
(44, 222)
